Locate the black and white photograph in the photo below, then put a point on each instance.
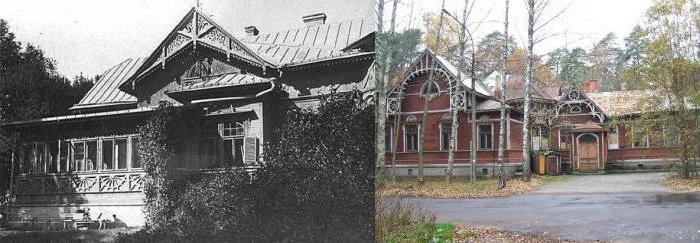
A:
(187, 121)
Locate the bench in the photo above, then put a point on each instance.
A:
(78, 222)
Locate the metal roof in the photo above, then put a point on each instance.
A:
(83, 116)
(310, 43)
(106, 91)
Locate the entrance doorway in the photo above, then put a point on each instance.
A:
(588, 153)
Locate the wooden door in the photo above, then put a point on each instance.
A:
(588, 153)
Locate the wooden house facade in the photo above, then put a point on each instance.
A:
(577, 133)
(231, 92)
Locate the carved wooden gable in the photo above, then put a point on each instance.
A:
(573, 101)
(196, 30)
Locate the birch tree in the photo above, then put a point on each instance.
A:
(381, 85)
(455, 109)
(504, 79)
(380, 97)
(424, 121)
(535, 22)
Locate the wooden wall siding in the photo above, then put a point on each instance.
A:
(315, 78)
(432, 149)
(461, 157)
(640, 154)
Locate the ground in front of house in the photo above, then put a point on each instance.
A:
(460, 187)
(634, 207)
(106, 235)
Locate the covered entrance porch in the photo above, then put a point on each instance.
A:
(589, 148)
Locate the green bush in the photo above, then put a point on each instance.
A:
(315, 185)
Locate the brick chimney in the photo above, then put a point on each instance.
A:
(590, 86)
(314, 19)
(251, 31)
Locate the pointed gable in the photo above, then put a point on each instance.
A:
(425, 63)
(196, 30)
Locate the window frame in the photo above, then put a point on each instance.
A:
(442, 139)
(425, 86)
(405, 136)
(666, 140)
(634, 137)
(478, 137)
(617, 138)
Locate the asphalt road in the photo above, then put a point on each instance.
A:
(627, 207)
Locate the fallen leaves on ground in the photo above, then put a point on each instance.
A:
(683, 185)
(471, 234)
(461, 188)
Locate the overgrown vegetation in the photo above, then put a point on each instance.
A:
(156, 152)
(669, 68)
(398, 221)
(312, 186)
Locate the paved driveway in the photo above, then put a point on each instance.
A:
(630, 207)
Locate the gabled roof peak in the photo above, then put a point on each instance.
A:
(195, 30)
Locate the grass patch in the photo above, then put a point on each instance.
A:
(108, 235)
(436, 187)
(397, 221)
(683, 185)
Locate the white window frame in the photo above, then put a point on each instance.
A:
(646, 138)
(390, 136)
(442, 147)
(617, 135)
(405, 140)
(478, 137)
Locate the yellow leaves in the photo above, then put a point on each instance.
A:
(683, 185)
(459, 188)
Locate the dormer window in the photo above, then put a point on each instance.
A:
(430, 90)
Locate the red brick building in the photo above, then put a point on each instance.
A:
(577, 133)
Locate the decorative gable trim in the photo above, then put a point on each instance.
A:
(574, 97)
(193, 31)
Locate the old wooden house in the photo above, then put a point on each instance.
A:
(577, 134)
(231, 89)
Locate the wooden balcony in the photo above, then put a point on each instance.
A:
(97, 182)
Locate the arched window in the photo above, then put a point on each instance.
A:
(575, 109)
(434, 89)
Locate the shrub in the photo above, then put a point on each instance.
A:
(397, 221)
(220, 205)
(156, 152)
(315, 185)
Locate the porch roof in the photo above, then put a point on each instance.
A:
(588, 127)
(224, 80)
(59, 119)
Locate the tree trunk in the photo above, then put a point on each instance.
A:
(502, 127)
(454, 109)
(424, 121)
(528, 82)
(381, 91)
(380, 109)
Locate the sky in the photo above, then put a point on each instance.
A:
(582, 23)
(90, 36)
